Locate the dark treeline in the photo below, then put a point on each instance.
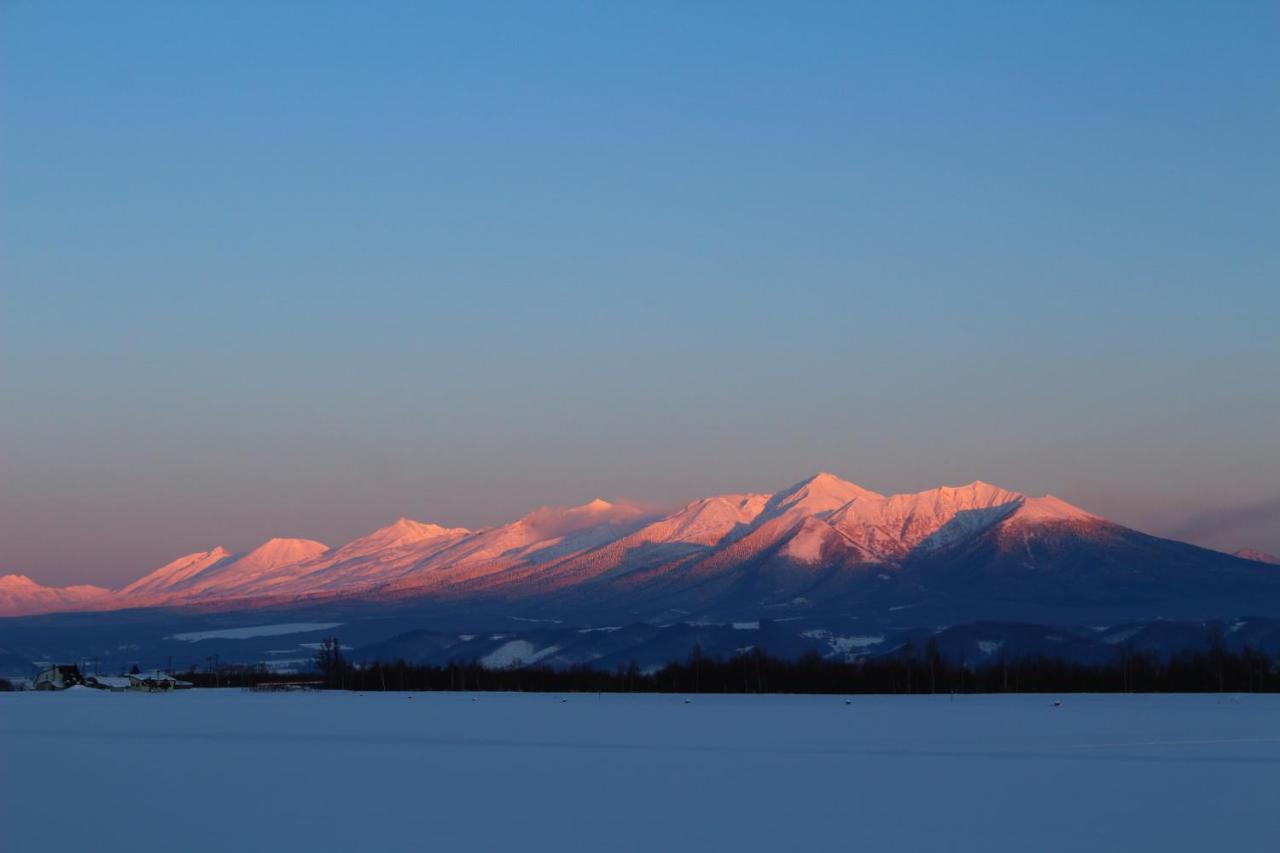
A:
(1215, 669)
(235, 675)
(329, 668)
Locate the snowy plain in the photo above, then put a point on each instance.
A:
(230, 770)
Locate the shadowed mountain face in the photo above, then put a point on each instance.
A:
(824, 545)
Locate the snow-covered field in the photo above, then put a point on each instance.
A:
(255, 631)
(229, 770)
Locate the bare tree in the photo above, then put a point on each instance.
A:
(330, 662)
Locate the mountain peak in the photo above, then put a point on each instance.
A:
(821, 493)
(980, 486)
(979, 492)
(827, 480)
(420, 529)
(11, 582)
(1050, 508)
(278, 552)
(401, 533)
(597, 511)
(706, 521)
(177, 571)
(21, 596)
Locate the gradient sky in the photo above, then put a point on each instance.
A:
(301, 268)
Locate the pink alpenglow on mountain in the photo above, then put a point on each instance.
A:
(705, 522)
(257, 570)
(823, 538)
(20, 595)
(172, 574)
(1258, 556)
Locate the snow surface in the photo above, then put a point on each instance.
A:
(807, 543)
(847, 646)
(516, 651)
(229, 770)
(250, 631)
(704, 522)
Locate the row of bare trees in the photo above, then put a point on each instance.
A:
(1215, 669)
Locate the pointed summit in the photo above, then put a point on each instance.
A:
(1049, 508)
(972, 495)
(563, 519)
(822, 493)
(176, 572)
(406, 529)
(275, 553)
(241, 573)
(402, 533)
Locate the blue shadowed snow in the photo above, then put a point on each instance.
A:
(223, 770)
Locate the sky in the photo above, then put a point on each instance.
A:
(298, 269)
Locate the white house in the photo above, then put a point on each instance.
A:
(58, 676)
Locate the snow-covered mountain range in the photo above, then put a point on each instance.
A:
(824, 542)
(20, 595)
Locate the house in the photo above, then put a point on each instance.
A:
(114, 683)
(58, 676)
(155, 681)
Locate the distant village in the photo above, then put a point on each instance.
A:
(66, 676)
(70, 676)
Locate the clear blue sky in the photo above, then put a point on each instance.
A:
(301, 268)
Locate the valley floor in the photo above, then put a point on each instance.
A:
(228, 770)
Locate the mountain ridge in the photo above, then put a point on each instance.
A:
(823, 540)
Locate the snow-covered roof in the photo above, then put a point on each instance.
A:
(152, 675)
